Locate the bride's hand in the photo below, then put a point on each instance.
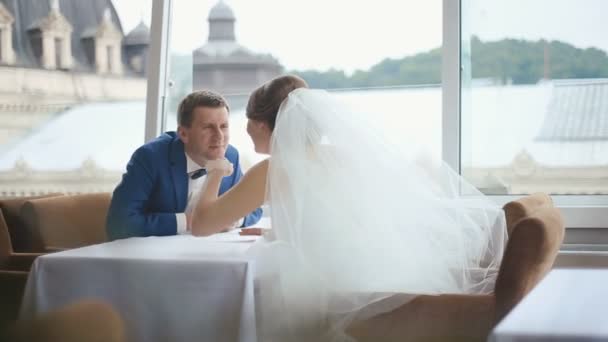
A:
(222, 166)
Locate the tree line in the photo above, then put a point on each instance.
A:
(504, 61)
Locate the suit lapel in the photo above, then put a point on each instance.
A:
(177, 159)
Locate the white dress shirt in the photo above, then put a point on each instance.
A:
(194, 191)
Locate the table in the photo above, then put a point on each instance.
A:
(567, 305)
(177, 288)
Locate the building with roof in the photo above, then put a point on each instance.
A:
(58, 53)
(519, 149)
(568, 155)
(224, 65)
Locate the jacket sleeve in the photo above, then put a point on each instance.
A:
(255, 215)
(128, 215)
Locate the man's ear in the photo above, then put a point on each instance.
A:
(181, 132)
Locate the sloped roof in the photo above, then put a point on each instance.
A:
(578, 111)
(106, 132)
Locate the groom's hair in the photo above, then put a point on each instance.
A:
(265, 101)
(201, 98)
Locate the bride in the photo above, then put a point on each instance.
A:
(359, 227)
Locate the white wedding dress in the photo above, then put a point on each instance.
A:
(356, 221)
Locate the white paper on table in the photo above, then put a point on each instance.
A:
(263, 223)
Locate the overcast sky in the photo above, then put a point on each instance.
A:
(349, 35)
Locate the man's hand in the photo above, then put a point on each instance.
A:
(220, 165)
(188, 221)
(230, 227)
(252, 231)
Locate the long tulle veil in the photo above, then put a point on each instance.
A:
(356, 221)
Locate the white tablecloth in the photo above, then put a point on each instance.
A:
(568, 305)
(178, 288)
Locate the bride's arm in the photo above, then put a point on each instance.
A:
(212, 213)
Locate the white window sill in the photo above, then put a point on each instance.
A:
(582, 258)
(578, 211)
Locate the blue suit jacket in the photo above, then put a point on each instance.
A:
(155, 188)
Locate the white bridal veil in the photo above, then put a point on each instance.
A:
(356, 221)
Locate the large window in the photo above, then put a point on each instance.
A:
(535, 96)
(512, 127)
(382, 57)
(72, 130)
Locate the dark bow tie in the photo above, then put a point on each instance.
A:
(198, 174)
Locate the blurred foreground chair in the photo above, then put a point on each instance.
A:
(530, 252)
(86, 321)
(524, 207)
(59, 223)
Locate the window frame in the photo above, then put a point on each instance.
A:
(157, 68)
(579, 211)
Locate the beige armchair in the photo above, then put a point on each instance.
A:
(65, 222)
(43, 225)
(531, 250)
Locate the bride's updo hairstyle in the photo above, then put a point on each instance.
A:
(265, 101)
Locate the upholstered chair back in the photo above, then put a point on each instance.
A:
(12, 222)
(67, 221)
(529, 255)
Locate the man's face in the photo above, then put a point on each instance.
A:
(207, 137)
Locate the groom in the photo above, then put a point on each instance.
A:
(158, 192)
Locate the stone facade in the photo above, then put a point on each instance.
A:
(60, 54)
(24, 181)
(525, 176)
